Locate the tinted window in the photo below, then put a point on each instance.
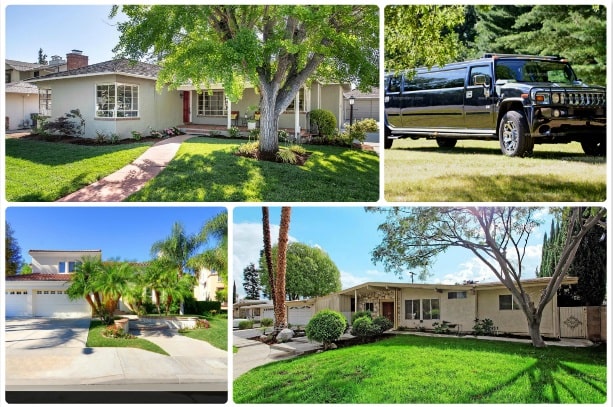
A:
(453, 78)
(394, 83)
(480, 70)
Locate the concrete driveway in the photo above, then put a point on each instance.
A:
(52, 352)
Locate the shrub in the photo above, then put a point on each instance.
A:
(266, 322)
(136, 135)
(101, 137)
(248, 149)
(114, 138)
(113, 331)
(360, 314)
(298, 149)
(441, 327)
(191, 306)
(254, 133)
(286, 156)
(363, 327)
(234, 131)
(324, 121)
(382, 323)
(283, 135)
(359, 129)
(484, 327)
(326, 326)
(245, 324)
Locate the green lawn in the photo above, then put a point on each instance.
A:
(96, 339)
(43, 171)
(205, 170)
(412, 369)
(476, 171)
(216, 335)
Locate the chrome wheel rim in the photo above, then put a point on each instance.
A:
(510, 136)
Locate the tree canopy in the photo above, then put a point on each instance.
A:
(277, 48)
(12, 252)
(310, 272)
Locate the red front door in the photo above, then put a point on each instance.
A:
(186, 106)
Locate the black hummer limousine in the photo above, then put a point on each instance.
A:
(519, 100)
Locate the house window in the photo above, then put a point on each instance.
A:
(455, 295)
(256, 312)
(431, 309)
(352, 306)
(212, 103)
(369, 306)
(7, 77)
(292, 105)
(507, 302)
(67, 266)
(412, 309)
(62, 267)
(116, 100)
(44, 102)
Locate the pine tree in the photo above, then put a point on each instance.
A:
(12, 254)
(251, 282)
(590, 265)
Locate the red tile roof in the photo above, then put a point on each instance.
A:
(39, 277)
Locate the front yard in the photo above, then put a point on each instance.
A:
(411, 369)
(96, 339)
(44, 171)
(205, 170)
(216, 335)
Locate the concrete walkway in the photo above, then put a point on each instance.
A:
(131, 178)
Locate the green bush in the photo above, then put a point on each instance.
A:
(382, 323)
(360, 314)
(484, 327)
(245, 324)
(324, 121)
(359, 129)
(248, 149)
(191, 306)
(363, 327)
(234, 132)
(286, 156)
(326, 326)
(266, 322)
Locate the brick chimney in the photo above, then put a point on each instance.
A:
(75, 59)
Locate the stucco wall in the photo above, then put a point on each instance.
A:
(156, 110)
(47, 262)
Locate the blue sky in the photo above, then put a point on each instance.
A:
(58, 30)
(120, 232)
(348, 235)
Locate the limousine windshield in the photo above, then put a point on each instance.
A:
(535, 71)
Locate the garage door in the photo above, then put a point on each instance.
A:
(17, 303)
(299, 315)
(56, 304)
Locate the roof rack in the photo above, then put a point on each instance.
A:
(494, 54)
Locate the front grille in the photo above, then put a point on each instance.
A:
(585, 98)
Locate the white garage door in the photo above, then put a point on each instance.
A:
(299, 315)
(17, 303)
(56, 304)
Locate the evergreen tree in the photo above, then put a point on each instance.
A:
(590, 265)
(12, 253)
(42, 58)
(251, 282)
(495, 22)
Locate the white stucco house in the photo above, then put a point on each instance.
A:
(209, 283)
(43, 293)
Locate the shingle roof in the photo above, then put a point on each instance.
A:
(117, 66)
(21, 87)
(39, 277)
(23, 66)
(374, 93)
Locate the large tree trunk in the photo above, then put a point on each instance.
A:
(534, 328)
(269, 140)
(280, 314)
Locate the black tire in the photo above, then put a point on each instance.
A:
(387, 141)
(596, 146)
(446, 142)
(515, 140)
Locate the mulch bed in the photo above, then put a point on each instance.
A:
(301, 159)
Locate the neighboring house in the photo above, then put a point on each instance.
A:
(299, 312)
(43, 293)
(22, 98)
(209, 284)
(415, 306)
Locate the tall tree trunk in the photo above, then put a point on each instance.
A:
(279, 306)
(269, 123)
(268, 251)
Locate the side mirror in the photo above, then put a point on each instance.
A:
(480, 80)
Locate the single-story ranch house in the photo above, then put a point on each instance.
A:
(419, 306)
(119, 97)
(43, 293)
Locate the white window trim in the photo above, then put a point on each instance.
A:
(115, 110)
(201, 108)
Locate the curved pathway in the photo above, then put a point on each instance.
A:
(122, 183)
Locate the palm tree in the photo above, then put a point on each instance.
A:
(279, 305)
(214, 233)
(177, 249)
(268, 251)
(112, 282)
(83, 283)
(155, 278)
(134, 294)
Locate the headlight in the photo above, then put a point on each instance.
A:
(555, 98)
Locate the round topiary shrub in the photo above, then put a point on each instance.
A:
(363, 327)
(324, 121)
(360, 314)
(382, 323)
(326, 326)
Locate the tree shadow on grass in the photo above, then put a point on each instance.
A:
(75, 184)
(219, 176)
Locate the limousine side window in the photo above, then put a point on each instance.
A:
(481, 70)
(394, 83)
(453, 78)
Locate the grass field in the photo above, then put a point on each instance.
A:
(96, 339)
(412, 369)
(43, 171)
(216, 335)
(476, 171)
(205, 169)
